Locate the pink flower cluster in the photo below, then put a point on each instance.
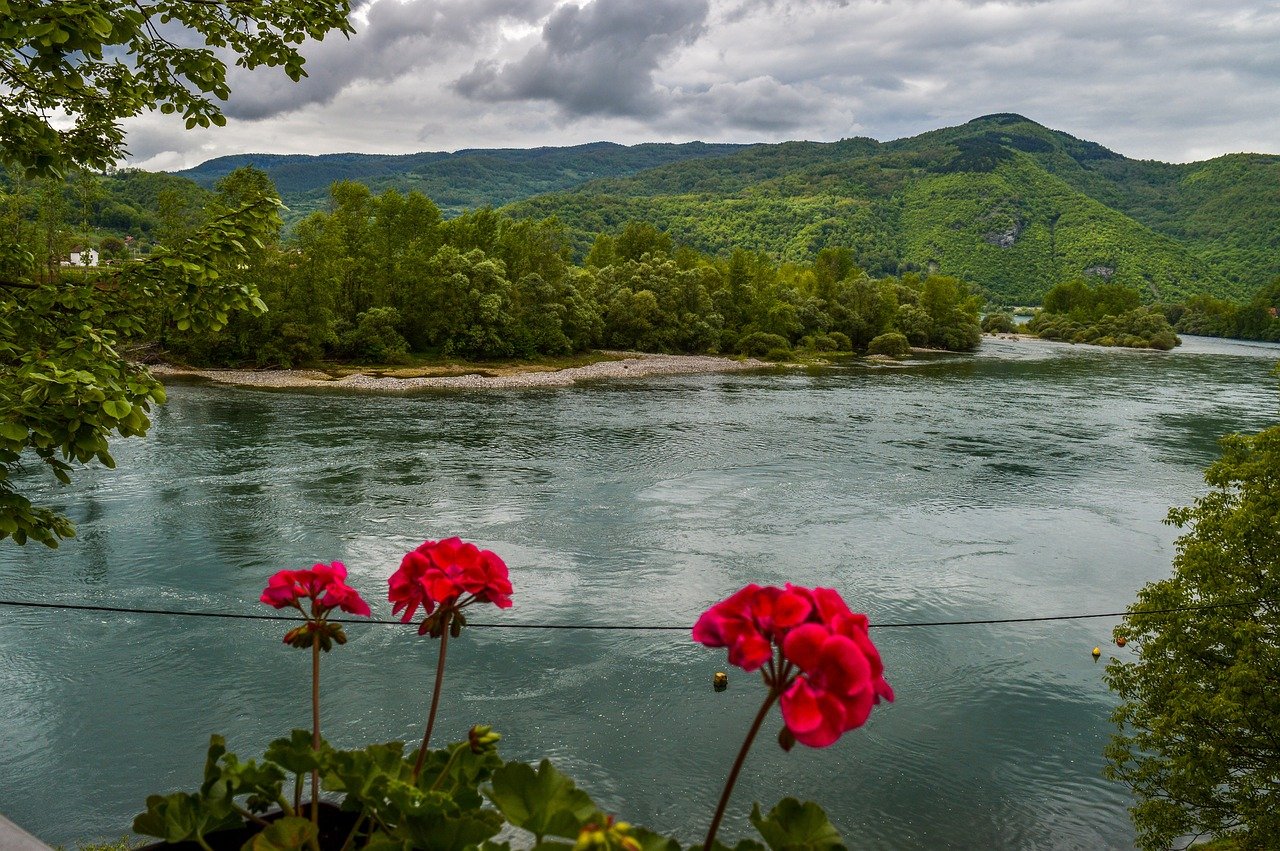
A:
(840, 673)
(324, 584)
(450, 574)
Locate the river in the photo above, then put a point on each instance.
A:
(1029, 479)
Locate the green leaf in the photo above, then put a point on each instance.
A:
(545, 802)
(226, 778)
(385, 842)
(286, 834)
(117, 408)
(793, 826)
(364, 774)
(13, 431)
(295, 754)
(181, 817)
(450, 832)
(650, 841)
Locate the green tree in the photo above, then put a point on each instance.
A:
(66, 379)
(1000, 322)
(59, 59)
(1199, 725)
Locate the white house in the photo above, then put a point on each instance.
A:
(82, 257)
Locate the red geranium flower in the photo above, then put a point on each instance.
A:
(448, 574)
(820, 658)
(323, 584)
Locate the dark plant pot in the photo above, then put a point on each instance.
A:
(335, 825)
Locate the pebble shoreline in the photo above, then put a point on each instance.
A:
(632, 365)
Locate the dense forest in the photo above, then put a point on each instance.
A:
(767, 249)
(380, 276)
(1254, 319)
(376, 277)
(1002, 202)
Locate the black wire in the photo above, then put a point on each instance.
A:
(82, 607)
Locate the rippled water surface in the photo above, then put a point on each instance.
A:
(1026, 480)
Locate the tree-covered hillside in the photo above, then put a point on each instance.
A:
(1001, 201)
(460, 181)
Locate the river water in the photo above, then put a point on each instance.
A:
(1029, 479)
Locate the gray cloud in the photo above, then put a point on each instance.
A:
(761, 105)
(597, 59)
(396, 39)
(1166, 79)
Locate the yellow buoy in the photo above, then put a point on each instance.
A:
(720, 681)
(1097, 651)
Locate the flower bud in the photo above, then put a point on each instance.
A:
(482, 738)
(786, 739)
(613, 836)
(299, 637)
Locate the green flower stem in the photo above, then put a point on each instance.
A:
(315, 726)
(773, 678)
(285, 808)
(452, 756)
(435, 695)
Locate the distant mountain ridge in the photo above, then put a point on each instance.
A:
(460, 180)
(1001, 201)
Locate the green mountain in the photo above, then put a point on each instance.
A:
(1001, 201)
(458, 181)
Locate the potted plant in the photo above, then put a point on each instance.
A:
(815, 657)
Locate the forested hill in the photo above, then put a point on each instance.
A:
(463, 180)
(1001, 201)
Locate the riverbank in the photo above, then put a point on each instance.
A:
(624, 365)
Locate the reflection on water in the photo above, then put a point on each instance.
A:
(1028, 479)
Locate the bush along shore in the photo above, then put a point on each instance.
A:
(1102, 314)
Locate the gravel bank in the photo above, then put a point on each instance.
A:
(633, 365)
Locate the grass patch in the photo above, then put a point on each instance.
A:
(438, 366)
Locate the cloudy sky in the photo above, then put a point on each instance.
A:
(1176, 80)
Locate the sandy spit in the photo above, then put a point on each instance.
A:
(632, 365)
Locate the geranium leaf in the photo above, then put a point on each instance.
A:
(295, 754)
(543, 802)
(795, 826)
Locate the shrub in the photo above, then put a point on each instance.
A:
(761, 343)
(375, 337)
(892, 345)
(842, 341)
(819, 343)
(999, 323)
